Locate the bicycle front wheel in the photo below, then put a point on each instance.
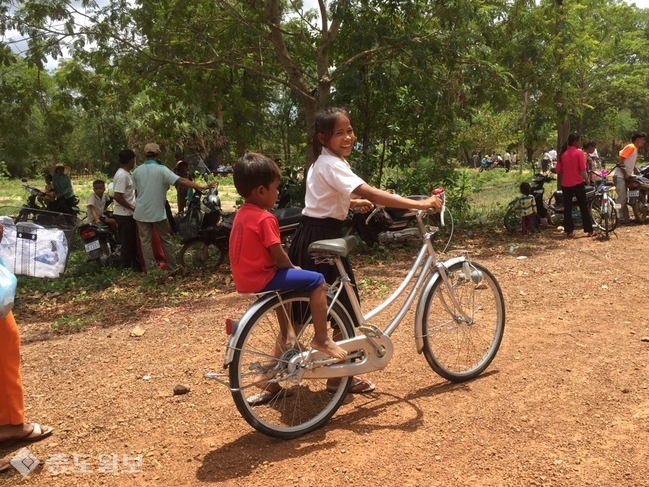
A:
(603, 214)
(264, 384)
(456, 348)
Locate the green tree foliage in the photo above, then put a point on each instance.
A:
(433, 80)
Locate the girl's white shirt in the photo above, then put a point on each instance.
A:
(330, 183)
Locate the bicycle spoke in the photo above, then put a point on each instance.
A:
(277, 333)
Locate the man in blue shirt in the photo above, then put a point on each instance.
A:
(151, 181)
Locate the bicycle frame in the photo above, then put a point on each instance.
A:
(376, 343)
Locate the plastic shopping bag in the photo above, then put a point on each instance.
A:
(8, 284)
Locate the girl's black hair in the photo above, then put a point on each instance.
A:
(590, 143)
(526, 188)
(572, 138)
(325, 121)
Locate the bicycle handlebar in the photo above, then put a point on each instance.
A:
(442, 195)
(437, 192)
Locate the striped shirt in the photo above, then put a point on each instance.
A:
(526, 204)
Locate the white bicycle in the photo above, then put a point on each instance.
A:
(459, 325)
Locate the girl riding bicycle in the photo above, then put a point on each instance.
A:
(331, 189)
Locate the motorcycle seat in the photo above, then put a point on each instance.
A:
(288, 216)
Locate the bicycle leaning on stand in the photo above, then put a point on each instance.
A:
(459, 325)
(602, 206)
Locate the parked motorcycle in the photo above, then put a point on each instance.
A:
(385, 225)
(512, 219)
(638, 197)
(486, 164)
(552, 210)
(638, 194)
(54, 214)
(556, 207)
(209, 246)
(100, 244)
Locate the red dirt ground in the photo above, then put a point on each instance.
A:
(565, 403)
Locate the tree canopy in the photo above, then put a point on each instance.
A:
(439, 79)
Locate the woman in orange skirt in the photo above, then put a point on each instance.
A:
(13, 428)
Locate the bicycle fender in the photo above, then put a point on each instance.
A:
(234, 338)
(421, 304)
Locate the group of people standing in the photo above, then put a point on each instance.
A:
(574, 166)
(495, 160)
(140, 200)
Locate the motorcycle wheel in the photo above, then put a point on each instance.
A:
(640, 210)
(104, 255)
(512, 220)
(199, 254)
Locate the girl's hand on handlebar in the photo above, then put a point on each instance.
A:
(433, 201)
(362, 205)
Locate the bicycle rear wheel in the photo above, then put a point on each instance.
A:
(456, 349)
(265, 389)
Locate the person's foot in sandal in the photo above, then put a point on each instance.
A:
(11, 435)
(360, 385)
(4, 465)
(264, 397)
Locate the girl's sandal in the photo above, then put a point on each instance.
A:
(570, 235)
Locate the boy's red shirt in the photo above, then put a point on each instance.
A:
(253, 231)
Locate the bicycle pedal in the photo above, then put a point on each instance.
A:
(370, 331)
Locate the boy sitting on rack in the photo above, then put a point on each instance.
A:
(259, 262)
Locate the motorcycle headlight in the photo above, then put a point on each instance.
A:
(212, 202)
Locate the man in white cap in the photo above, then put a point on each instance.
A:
(151, 181)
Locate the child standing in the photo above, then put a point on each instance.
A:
(331, 189)
(257, 258)
(527, 206)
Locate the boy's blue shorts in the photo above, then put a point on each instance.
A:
(294, 280)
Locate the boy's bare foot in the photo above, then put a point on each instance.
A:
(330, 348)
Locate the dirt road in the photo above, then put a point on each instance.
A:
(565, 403)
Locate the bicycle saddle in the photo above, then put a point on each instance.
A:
(335, 246)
